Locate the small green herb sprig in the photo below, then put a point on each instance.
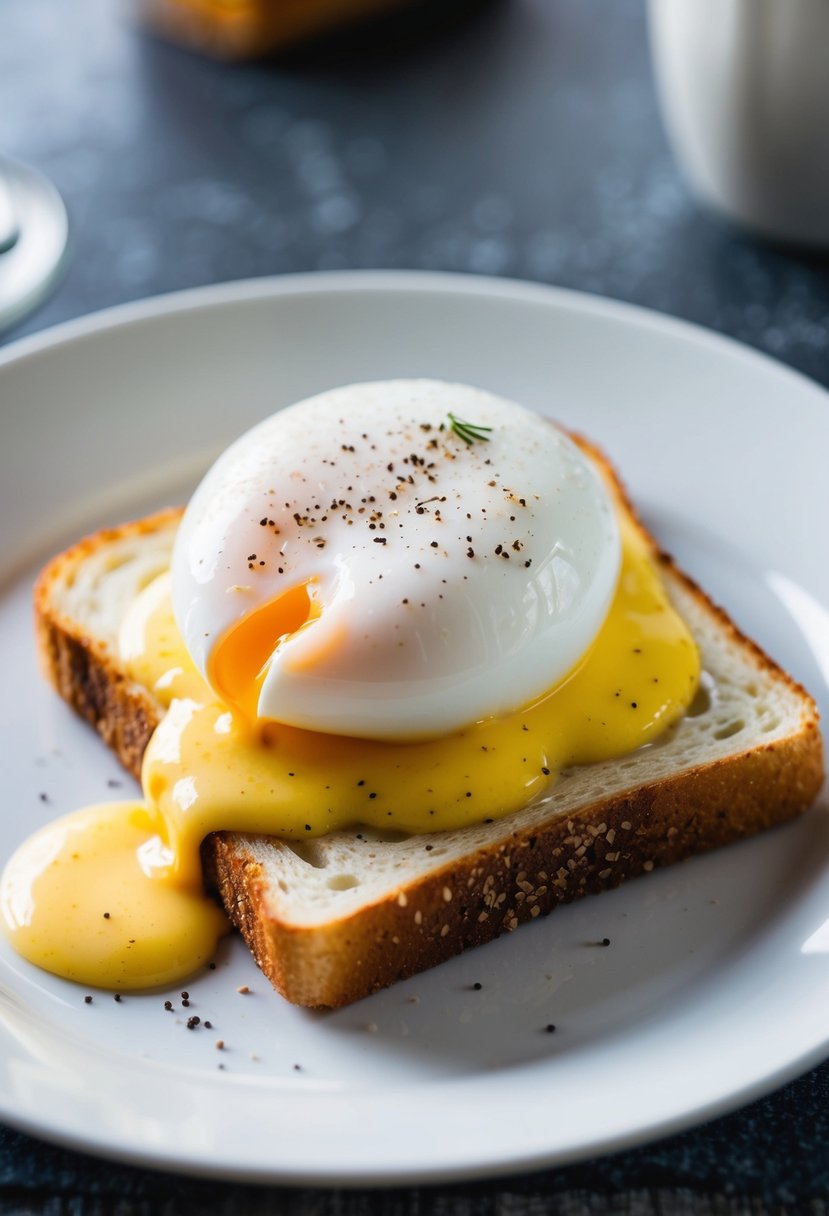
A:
(469, 432)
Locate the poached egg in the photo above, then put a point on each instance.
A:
(404, 581)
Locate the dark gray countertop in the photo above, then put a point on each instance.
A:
(515, 137)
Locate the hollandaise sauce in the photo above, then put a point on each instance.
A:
(113, 896)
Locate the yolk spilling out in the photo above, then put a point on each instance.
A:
(113, 895)
(240, 662)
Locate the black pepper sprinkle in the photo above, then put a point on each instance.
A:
(208, 1025)
(193, 1022)
(477, 986)
(87, 1000)
(106, 916)
(211, 966)
(546, 772)
(549, 1028)
(168, 1005)
(43, 797)
(185, 1003)
(186, 995)
(297, 1068)
(605, 941)
(117, 997)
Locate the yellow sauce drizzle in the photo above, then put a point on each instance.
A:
(86, 899)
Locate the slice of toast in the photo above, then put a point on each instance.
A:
(331, 920)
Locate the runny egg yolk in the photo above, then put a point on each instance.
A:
(240, 661)
(113, 896)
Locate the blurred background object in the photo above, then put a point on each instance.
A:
(9, 226)
(246, 28)
(33, 239)
(744, 86)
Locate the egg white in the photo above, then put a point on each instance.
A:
(453, 581)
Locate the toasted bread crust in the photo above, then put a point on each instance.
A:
(473, 900)
(496, 890)
(81, 668)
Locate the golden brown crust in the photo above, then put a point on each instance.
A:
(484, 894)
(495, 890)
(80, 667)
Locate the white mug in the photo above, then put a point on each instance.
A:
(744, 88)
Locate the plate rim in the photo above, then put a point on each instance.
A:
(450, 283)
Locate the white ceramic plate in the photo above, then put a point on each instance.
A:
(714, 988)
